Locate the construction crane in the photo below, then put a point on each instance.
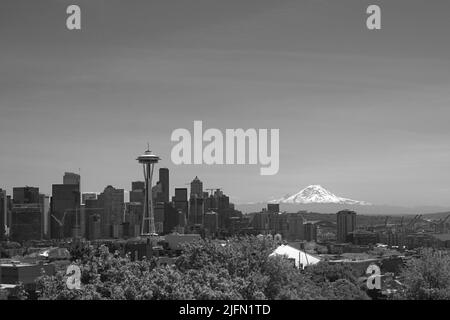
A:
(413, 222)
(440, 225)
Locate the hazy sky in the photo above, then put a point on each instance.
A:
(363, 113)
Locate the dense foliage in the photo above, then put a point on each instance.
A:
(427, 277)
(240, 269)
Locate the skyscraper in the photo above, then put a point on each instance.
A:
(196, 188)
(71, 178)
(93, 216)
(88, 196)
(25, 195)
(112, 202)
(310, 231)
(26, 222)
(137, 192)
(44, 201)
(196, 211)
(180, 202)
(65, 206)
(164, 180)
(296, 229)
(3, 213)
(346, 223)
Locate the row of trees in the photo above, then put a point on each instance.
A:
(241, 269)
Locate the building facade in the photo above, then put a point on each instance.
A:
(346, 224)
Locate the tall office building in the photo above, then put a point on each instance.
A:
(65, 211)
(296, 230)
(172, 218)
(26, 222)
(196, 188)
(112, 202)
(180, 202)
(196, 211)
(260, 222)
(133, 219)
(26, 214)
(157, 192)
(88, 196)
(346, 223)
(278, 223)
(211, 222)
(310, 231)
(159, 217)
(3, 214)
(164, 180)
(71, 178)
(25, 195)
(44, 201)
(93, 212)
(137, 193)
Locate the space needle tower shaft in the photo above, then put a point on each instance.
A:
(148, 161)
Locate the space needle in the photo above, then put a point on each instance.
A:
(148, 161)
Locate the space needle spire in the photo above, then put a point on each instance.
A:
(148, 160)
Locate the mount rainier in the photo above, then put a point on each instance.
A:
(317, 194)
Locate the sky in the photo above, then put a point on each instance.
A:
(363, 113)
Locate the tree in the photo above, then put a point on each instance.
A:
(325, 271)
(343, 289)
(338, 281)
(427, 277)
(241, 268)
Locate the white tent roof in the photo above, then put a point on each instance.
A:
(301, 257)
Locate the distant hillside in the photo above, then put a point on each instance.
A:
(333, 208)
(437, 216)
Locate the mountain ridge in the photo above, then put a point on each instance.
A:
(315, 194)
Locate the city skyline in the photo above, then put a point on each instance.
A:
(362, 113)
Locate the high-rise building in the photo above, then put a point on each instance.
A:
(164, 180)
(88, 196)
(44, 201)
(65, 207)
(3, 214)
(278, 223)
(180, 200)
(211, 223)
(260, 222)
(25, 195)
(159, 217)
(197, 188)
(346, 223)
(26, 222)
(296, 229)
(310, 231)
(196, 211)
(112, 202)
(71, 178)
(133, 219)
(171, 218)
(93, 212)
(137, 193)
(157, 192)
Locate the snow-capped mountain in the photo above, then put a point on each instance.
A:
(316, 194)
